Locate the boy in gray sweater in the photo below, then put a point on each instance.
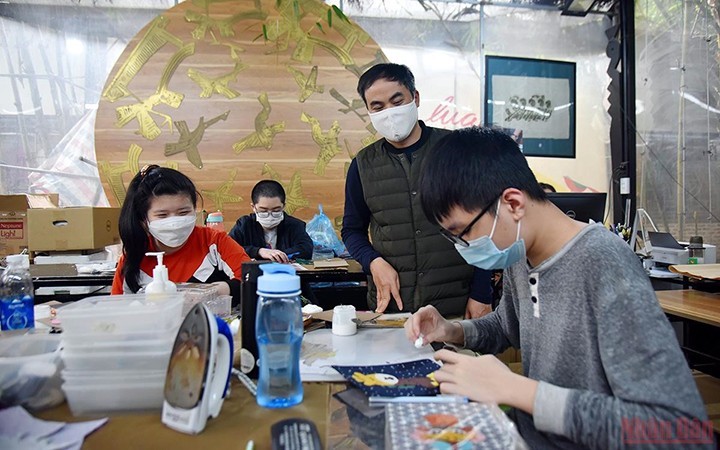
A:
(601, 364)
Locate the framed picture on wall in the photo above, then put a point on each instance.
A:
(534, 101)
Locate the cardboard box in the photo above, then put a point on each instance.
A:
(13, 219)
(77, 228)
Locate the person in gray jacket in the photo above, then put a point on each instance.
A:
(601, 363)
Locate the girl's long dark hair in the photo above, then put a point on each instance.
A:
(150, 182)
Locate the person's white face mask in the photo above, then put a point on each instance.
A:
(395, 124)
(269, 219)
(172, 231)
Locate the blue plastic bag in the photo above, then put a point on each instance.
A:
(326, 242)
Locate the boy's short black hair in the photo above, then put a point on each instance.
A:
(386, 71)
(269, 189)
(547, 187)
(470, 168)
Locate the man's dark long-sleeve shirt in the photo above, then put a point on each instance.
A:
(356, 221)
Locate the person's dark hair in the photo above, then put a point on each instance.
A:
(386, 71)
(152, 181)
(547, 187)
(470, 168)
(269, 189)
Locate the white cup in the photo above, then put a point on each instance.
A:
(342, 322)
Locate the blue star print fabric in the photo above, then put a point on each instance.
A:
(408, 379)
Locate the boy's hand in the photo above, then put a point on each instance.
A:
(459, 375)
(428, 322)
(273, 255)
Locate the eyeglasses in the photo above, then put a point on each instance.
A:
(268, 214)
(458, 238)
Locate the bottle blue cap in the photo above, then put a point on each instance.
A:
(215, 217)
(278, 279)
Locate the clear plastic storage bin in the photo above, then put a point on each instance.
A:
(148, 361)
(122, 314)
(101, 398)
(30, 371)
(94, 347)
(110, 378)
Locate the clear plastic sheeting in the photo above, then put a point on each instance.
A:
(70, 168)
(54, 59)
(678, 115)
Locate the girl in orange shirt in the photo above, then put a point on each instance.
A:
(159, 215)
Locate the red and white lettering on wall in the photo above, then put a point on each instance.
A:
(446, 115)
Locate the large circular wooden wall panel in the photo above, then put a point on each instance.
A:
(231, 92)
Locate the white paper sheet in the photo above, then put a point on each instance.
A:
(370, 346)
(20, 430)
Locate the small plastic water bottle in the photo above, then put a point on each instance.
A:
(215, 220)
(279, 332)
(17, 295)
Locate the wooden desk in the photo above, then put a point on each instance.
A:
(353, 272)
(240, 420)
(690, 304)
(52, 275)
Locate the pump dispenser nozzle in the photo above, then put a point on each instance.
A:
(161, 283)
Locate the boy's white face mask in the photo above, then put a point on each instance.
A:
(269, 219)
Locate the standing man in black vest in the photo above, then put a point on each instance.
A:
(407, 258)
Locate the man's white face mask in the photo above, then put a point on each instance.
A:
(395, 124)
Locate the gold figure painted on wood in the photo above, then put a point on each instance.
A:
(328, 142)
(114, 173)
(219, 84)
(155, 38)
(189, 140)
(264, 61)
(289, 30)
(223, 26)
(222, 194)
(144, 108)
(308, 84)
(360, 69)
(357, 106)
(294, 197)
(264, 133)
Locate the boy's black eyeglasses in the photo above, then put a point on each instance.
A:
(458, 238)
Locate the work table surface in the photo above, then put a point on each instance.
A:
(691, 304)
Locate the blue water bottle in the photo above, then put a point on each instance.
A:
(17, 295)
(279, 332)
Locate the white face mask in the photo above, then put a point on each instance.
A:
(172, 231)
(395, 124)
(269, 219)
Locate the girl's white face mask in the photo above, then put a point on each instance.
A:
(395, 124)
(172, 231)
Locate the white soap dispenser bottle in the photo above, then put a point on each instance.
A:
(160, 284)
